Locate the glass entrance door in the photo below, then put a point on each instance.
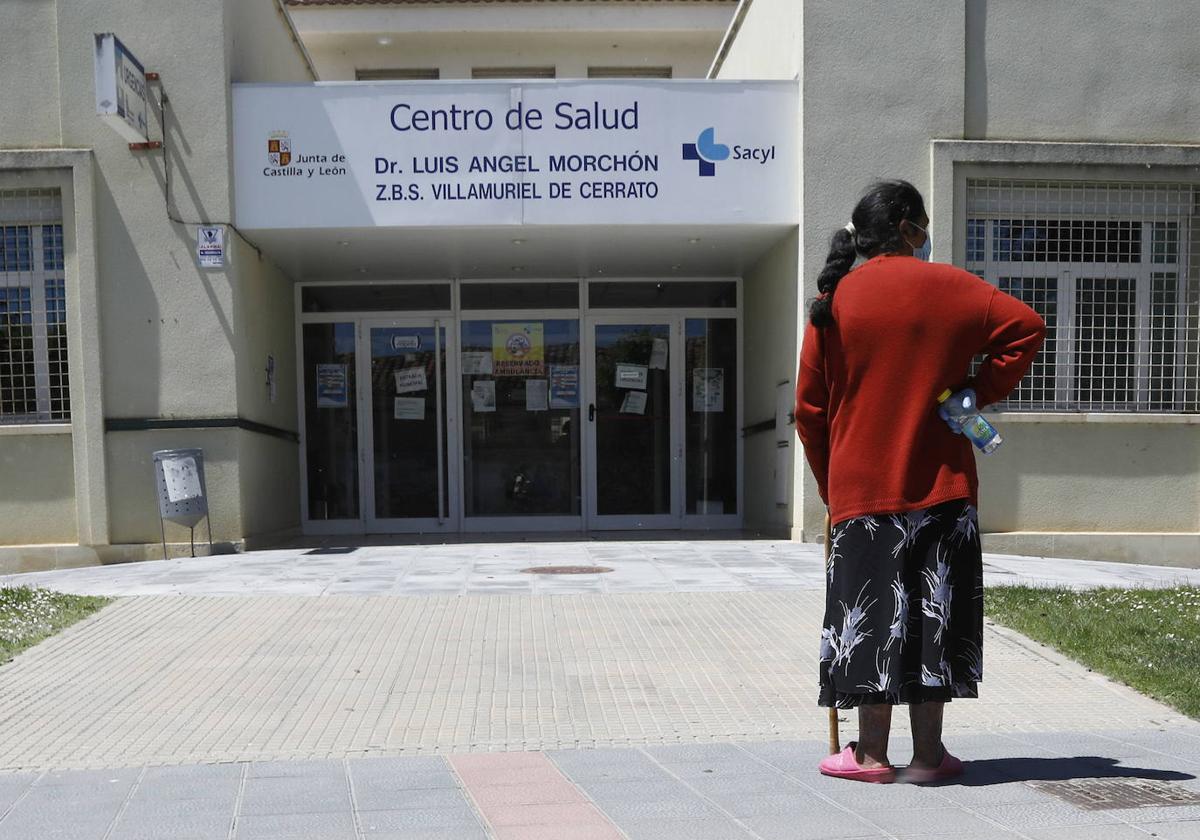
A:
(407, 427)
(634, 439)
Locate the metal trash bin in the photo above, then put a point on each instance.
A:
(182, 495)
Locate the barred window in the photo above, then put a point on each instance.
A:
(34, 382)
(1111, 267)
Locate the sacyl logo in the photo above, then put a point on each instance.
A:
(706, 150)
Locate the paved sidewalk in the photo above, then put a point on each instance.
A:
(443, 694)
(495, 568)
(728, 791)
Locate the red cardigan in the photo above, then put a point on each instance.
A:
(866, 393)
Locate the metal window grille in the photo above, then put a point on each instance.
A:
(629, 72)
(398, 74)
(512, 73)
(1113, 269)
(34, 382)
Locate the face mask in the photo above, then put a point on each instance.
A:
(925, 250)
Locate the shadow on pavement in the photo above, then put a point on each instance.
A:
(994, 771)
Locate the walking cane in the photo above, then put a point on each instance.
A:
(835, 743)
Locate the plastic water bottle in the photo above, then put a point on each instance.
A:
(973, 424)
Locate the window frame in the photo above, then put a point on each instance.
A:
(35, 281)
(1068, 275)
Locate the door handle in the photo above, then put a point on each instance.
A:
(591, 412)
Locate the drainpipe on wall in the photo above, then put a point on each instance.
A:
(281, 9)
(731, 33)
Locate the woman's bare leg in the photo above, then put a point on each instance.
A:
(874, 727)
(926, 721)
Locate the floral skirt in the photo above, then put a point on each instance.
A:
(903, 608)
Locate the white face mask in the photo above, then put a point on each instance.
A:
(926, 249)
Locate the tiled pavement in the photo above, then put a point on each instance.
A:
(674, 701)
(495, 568)
(726, 791)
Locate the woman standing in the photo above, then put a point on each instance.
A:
(904, 600)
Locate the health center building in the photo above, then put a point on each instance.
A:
(498, 268)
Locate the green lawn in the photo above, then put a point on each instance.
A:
(1148, 639)
(29, 615)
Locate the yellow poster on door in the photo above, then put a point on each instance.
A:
(518, 350)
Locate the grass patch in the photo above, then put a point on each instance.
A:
(1148, 639)
(29, 615)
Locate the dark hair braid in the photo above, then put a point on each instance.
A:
(876, 220)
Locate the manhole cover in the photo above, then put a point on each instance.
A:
(566, 570)
(1107, 794)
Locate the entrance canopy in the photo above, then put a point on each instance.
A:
(395, 154)
(487, 179)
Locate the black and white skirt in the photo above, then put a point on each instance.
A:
(903, 608)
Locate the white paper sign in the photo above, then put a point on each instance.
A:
(536, 394)
(409, 408)
(182, 479)
(210, 246)
(708, 390)
(634, 403)
(658, 354)
(406, 342)
(476, 364)
(483, 395)
(570, 152)
(411, 379)
(631, 376)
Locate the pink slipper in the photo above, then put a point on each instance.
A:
(845, 766)
(948, 769)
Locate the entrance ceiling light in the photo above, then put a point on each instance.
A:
(384, 40)
(692, 240)
(518, 242)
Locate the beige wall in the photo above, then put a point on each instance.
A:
(768, 44)
(259, 46)
(265, 325)
(1089, 70)
(37, 473)
(876, 90)
(29, 94)
(770, 346)
(168, 337)
(1097, 476)
(455, 54)
(131, 474)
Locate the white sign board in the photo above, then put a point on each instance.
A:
(121, 97)
(504, 153)
(210, 246)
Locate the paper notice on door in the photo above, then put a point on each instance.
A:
(658, 354)
(409, 408)
(476, 364)
(536, 392)
(564, 386)
(409, 380)
(634, 403)
(708, 390)
(182, 479)
(483, 396)
(332, 391)
(631, 376)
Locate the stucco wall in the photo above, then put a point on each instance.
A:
(259, 46)
(1095, 70)
(265, 326)
(768, 44)
(37, 473)
(131, 475)
(1092, 476)
(29, 94)
(455, 54)
(770, 345)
